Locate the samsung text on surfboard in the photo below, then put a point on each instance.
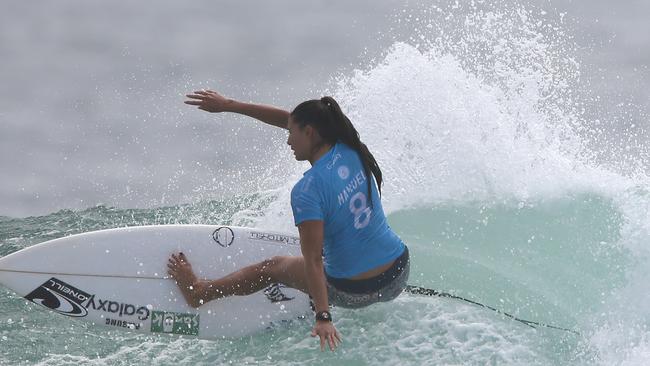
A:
(123, 323)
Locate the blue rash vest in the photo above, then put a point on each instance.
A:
(335, 191)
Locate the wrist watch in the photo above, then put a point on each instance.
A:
(324, 316)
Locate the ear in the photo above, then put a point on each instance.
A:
(313, 135)
(309, 131)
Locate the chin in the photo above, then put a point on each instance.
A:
(296, 156)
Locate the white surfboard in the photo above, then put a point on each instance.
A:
(118, 278)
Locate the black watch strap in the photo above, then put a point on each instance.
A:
(324, 316)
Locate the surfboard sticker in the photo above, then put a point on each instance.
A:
(274, 293)
(68, 300)
(61, 297)
(111, 309)
(175, 323)
(224, 236)
(274, 237)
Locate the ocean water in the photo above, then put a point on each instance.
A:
(497, 175)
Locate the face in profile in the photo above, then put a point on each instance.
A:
(300, 140)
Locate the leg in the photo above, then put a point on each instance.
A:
(284, 269)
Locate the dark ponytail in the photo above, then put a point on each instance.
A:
(333, 125)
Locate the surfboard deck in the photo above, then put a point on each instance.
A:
(118, 278)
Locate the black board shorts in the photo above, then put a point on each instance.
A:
(360, 293)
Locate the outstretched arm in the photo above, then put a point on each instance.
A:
(214, 102)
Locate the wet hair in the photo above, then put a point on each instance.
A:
(333, 125)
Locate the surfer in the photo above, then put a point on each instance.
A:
(350, 256)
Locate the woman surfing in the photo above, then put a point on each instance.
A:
(350, 256)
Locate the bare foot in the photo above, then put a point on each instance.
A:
(180, 270)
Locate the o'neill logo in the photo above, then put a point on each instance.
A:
(60, 297)
(67, 300)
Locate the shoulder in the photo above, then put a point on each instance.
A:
(347, 153)
(345, 148)
(307, 199)
(310, 182)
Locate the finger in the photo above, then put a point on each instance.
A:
(322, 343)
(313, 332)
(201, 92)
(330, 340)
(196, 96)
(193, 102)
(338, 337)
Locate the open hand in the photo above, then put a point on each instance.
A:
(208, 100)
(180, 269)
(327, 333)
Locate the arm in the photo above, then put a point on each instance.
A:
(311, 245)
(211, 101)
